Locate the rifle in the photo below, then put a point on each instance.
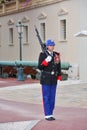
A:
(43, 46)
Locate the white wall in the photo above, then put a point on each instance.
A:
(31, 51)
(73, 50)
(83, 40)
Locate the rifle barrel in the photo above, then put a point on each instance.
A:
(43, 47)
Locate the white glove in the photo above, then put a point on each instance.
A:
(48, 59)
(58, 81)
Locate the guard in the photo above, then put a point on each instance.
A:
(50, 67)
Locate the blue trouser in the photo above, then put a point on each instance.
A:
(48, 92)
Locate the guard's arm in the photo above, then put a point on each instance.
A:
(43, 60)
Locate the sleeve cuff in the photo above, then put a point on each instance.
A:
(45, 63)
(59, 78)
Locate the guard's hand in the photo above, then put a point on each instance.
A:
(48, 59)
(59, 78)
(58, 81)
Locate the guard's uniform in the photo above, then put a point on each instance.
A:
(49, 75)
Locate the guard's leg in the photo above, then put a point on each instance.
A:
(46, 99)
(52, 98)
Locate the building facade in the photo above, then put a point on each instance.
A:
(55, 19)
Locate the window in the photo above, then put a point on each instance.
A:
(43, 30)
(25, 34)
(11, 35)
(63, 29)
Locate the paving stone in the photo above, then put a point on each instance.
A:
(21, 106)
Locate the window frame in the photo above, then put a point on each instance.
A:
(25, 34)
(43, 30)
(62, 27)
(11, 35)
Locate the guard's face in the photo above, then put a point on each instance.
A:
(50, 48)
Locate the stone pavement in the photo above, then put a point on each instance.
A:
(22, 125)
(21, 106)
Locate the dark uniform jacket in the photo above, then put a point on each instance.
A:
(50, 73)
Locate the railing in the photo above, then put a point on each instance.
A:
(23, 68)
(12, 6)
